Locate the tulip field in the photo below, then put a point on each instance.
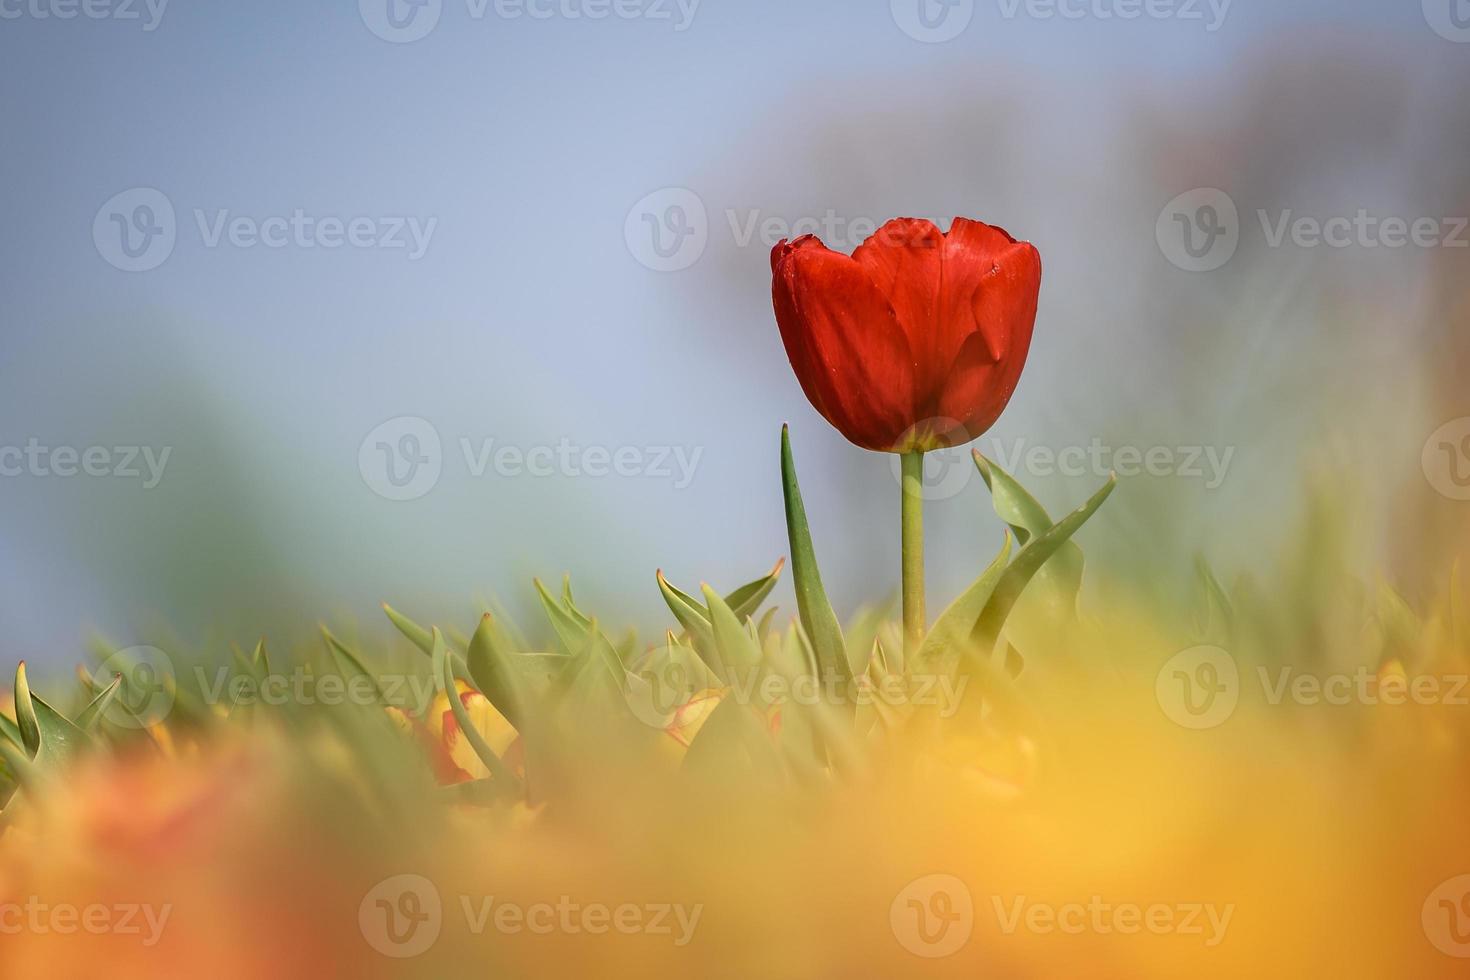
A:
(1038, 789)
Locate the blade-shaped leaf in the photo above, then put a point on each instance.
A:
(493, 674)
(49, 737)
(1028, 562)
(416, 634)
(745, 600)
(91, 715)
(444, 678)
(954, 626)
(1059, 581)
(348, 664)
(817, 617)
(739, 650)
(571, 631)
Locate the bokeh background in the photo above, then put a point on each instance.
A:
(540, 154)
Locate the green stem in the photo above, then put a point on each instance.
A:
(913, 551)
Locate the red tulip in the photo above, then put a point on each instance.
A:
(916, 340)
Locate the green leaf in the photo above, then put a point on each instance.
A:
(1028, 562)
(695, 620)
(444, 679)
(493, 674)
(1059, 581)
(348, 664)
(739, 650)
(25, 713)
(570, 604)
(8, 729)
(48, 736)
(416, 634)
(817, 617)
(1215, 620)
(745, 600)
(91, 715)
(570, 630)
(954, 626)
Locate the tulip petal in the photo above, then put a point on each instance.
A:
(904, 258)
(844, 342)
(994, 282)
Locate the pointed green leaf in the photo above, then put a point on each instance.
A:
(416, 634)
(349, 665)
(695, 620)
(25, 713)
(444, 678)
(91, 715)
(946, 641)
(493, 674)
(569, 630)
(739, 650)
(820, 622)
(1059, 581)
(745, 600)
(1028, 562)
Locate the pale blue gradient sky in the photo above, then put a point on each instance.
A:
(529, 321)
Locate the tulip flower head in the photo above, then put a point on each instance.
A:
(917, 340)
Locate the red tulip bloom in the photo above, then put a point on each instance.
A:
(916, 340)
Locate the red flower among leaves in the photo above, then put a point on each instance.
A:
(914, 342)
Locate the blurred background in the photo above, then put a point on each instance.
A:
(311, 306)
